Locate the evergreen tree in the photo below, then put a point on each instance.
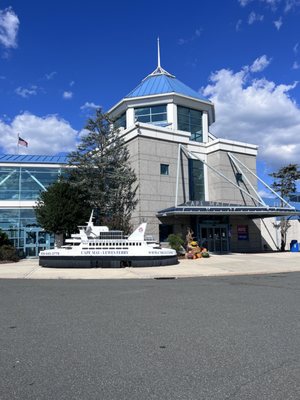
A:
(285, 183)
(101, 168)
(62, 208)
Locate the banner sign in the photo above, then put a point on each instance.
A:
(242, 232)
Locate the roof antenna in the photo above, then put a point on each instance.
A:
(158, 54)
(159, 70)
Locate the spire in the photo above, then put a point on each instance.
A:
(159, 70)
(158, 54)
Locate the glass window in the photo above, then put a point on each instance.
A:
(164, 169)
(9, 183)
(120, 121)
(153, 115)
(190, 120)
(22, 183)
(196, 180)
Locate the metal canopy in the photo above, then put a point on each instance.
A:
(211, 208)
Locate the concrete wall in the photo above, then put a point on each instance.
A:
(156, 192)
(222, 191)
(254, 243)
(271, 235)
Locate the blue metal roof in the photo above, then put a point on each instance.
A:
(163, 83)
(34, 159)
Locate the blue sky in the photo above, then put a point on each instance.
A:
(60, 59)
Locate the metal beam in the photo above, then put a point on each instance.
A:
(7, 177)
(264, 183)
(188, 152)
(36, 180)
(249, 183)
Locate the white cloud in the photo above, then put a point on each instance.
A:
(296, 65)
(26, 92)
(89, 105)
(72, 83)
(243, 3)
(256, 111)
(45, 135)
(295, 48)
(197, 33)
(253, 17)
(291, 5)
(265, 194)
(238, 25)
(9, 26)
(278, 23)
(67, 95)
(271, 3)
(50, 75)
(260, 64)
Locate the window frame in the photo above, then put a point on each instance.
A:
(188, 122)
(167, 173)
(151, 114)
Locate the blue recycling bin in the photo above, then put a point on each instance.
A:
(294, 246)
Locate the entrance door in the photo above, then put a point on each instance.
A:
(214, 238)
(35, 240)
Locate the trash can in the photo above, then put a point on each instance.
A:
(294, 246)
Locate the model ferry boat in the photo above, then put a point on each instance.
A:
(98, 247)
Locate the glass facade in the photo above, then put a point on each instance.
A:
(190, 120)
(23, 231)
(25, 183)
(196, 180)
(120, 121)
(154, 115)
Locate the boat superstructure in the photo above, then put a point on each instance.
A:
(98, 247)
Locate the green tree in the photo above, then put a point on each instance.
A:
(101, 168)
(4, 240)
(285, 184)
(61, 208)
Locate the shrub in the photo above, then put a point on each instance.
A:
(176, 242)
(4, 238)
(8, 253)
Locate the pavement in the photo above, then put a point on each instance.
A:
(216, 265)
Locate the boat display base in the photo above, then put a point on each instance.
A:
(105, 262)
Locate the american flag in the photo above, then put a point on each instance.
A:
(22, 142)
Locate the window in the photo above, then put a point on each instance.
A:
(120, 121)
(191, 121)
(25, 183)
(164, 169)
(153, 115)
(196, 180)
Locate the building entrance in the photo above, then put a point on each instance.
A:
(35, 240)
(214, 238)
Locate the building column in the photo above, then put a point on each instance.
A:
(172, 115)
(205, 126)
(130, 117)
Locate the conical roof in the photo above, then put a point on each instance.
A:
(162, 82)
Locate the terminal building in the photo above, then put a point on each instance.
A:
(187, 177)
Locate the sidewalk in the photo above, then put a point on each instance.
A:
(216, 265)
